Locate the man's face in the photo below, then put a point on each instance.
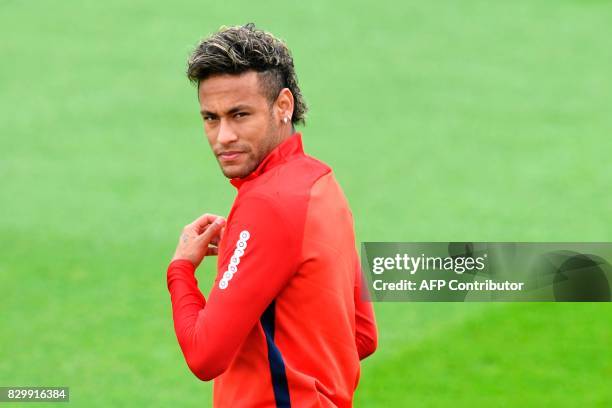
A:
(239, 122)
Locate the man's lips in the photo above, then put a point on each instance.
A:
(229, 156)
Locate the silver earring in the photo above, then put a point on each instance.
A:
(285, 119)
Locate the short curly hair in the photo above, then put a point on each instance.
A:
(238, 49)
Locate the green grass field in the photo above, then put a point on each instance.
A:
(472, 120)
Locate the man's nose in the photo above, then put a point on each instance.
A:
(226, 133)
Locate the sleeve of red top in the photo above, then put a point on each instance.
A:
(211, 332)
(366, 337)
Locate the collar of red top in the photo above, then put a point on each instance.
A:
(292, 146)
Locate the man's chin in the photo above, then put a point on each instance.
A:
(235, 171)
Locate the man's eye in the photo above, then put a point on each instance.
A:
(241, 114)
(208, 118)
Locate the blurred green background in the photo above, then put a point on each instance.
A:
(472, 120)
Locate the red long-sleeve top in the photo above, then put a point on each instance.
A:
(285, 323)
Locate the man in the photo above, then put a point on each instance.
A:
(284, 324)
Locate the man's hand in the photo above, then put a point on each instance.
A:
(200, 238)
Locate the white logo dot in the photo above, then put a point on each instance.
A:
(222, 284)
(244, 235)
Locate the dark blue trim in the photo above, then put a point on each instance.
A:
(275, 359)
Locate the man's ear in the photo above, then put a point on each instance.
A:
(284, 105)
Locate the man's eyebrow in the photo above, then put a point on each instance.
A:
(233, 110)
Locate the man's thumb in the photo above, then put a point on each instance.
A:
(212, 230)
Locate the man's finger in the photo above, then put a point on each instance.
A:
(217, 239)
(211, 251)
(212, 231)
(202, 221)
